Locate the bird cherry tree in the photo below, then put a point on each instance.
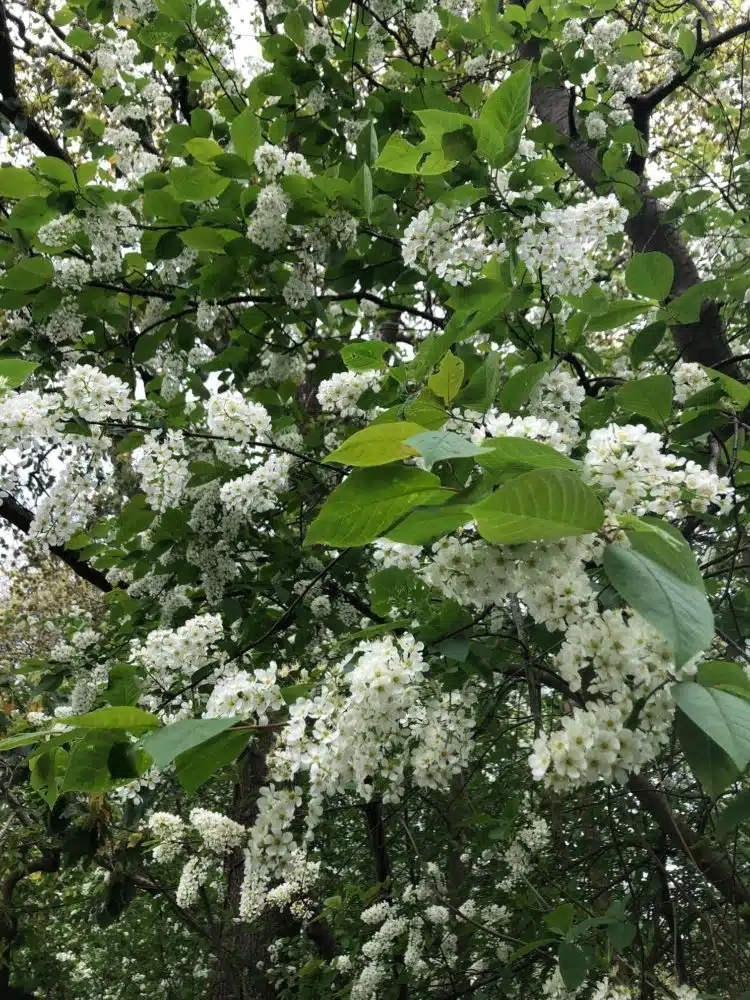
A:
(380, 366)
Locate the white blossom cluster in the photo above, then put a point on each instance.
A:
(689, 378)
(442, 241)
(95, 396)
(230, 415)
(168, 655)
(161, 464)
(340, 393)
(26, 417)
(242, 695)
(628, 461)
(419, 929)
(258, 491)
(425, 26)
(219, 833)
(561, 244)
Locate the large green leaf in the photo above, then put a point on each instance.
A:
(87, 765)
(169, 742)
(437, 446)
(197, 183)
(368, 502)
(503, 453)
(650, 275)
(648, 397)
(677, 609)
(664, 544)
(17, 182)
(723, 717)
(28, 274)
(480, 391)
(711, 765)
(246, 134)
(447, 382)
(429, 523)
(503, 117)
(734, 813)
(537, 505)
(115, 717)
(573, 965)
(198, 764)
(377, 444)
(15, 371)
(399, 156)
(516, 391)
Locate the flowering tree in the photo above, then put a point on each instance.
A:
(383, 374)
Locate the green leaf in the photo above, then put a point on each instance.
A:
(538, 505)
(28, 274)
(246, 134)
(687, 42)
(294, 28)
(618, 314)
(47, 770)
(449, 378)
(203, 238)
(362, 189)
(516, 391)
(621, 934)
(503, 117)
(123, 687)
(734, 813)
(171, 741)
(426, 525)
(195, 766)
(479, 394)
(15, 371)
(650, 275)
(18, 182)
(723, 717)
(677, 610)
(363, 355)
(377, 444)
(646, 342)
(87, 766)
(561, 918)
(661, 542)
(196, 183)
(711, 765)
(399, 156)
(24, 739)
(573, 965)
(437, 446)
(505, 453)
(724, 674)
(115, 717)
(649, 397)
(737, 392)
(368, 502)
(203, 150)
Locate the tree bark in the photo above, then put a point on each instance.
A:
(242, 946)
(703, 341)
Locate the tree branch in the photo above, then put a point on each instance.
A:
(715, 869)
(17, 515)
(11, 107)
(653, 97)
(703, 341)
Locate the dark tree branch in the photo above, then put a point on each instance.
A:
(716, 869)
(11, 107)
(703, 341)
(653, 97)
(17, 515)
